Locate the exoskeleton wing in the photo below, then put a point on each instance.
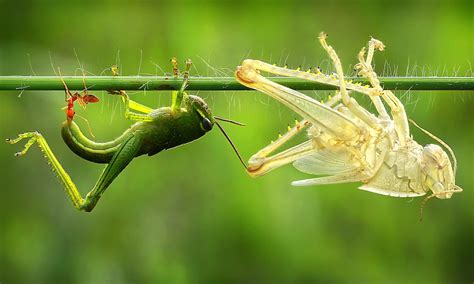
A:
(327, 162)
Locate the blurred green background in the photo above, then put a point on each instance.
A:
(192, 214)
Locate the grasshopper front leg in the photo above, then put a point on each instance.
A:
(129, 104)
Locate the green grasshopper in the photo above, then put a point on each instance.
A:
(155, 130)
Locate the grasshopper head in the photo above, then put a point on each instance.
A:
(203, 113)
(440, 176)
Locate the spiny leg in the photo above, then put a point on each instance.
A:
(314, 75)
(176, 98)
(63, 176)
(376, 100)
(260, 163)
(133, 105)
(249, 74)
(397, 108)
(337, 125)
(260, 158)
(124, 155)
(127, 151)
(299, 125)
(349, 102)
(318, 114)
(130, 104)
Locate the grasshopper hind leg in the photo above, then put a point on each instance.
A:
(128, 150)
(69, 186)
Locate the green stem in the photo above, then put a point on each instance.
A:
(216, 83)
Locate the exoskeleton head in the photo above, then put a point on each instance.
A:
(438, 171)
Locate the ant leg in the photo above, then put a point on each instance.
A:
(70, 99)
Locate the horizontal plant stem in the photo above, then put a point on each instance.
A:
(216, 83)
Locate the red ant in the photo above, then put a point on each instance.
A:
(83, 100)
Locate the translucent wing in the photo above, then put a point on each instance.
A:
(326, 162)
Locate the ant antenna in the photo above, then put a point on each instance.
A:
(231, 144)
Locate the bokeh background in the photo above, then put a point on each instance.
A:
(192, 214)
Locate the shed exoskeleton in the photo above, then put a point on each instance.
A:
(347, 143)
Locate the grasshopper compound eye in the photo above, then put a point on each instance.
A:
(206, 124)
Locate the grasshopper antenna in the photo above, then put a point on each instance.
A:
(423, 203)
(230, 141)
(229, 120)
(455, 162)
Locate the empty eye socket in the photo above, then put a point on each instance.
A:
(206, 124)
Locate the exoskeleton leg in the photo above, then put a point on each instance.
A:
(349, 102)
(249, 74)
(375, 44)
(397, 108)
(126, 152)
(338, 127)
(316, 113)
(260, 163)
